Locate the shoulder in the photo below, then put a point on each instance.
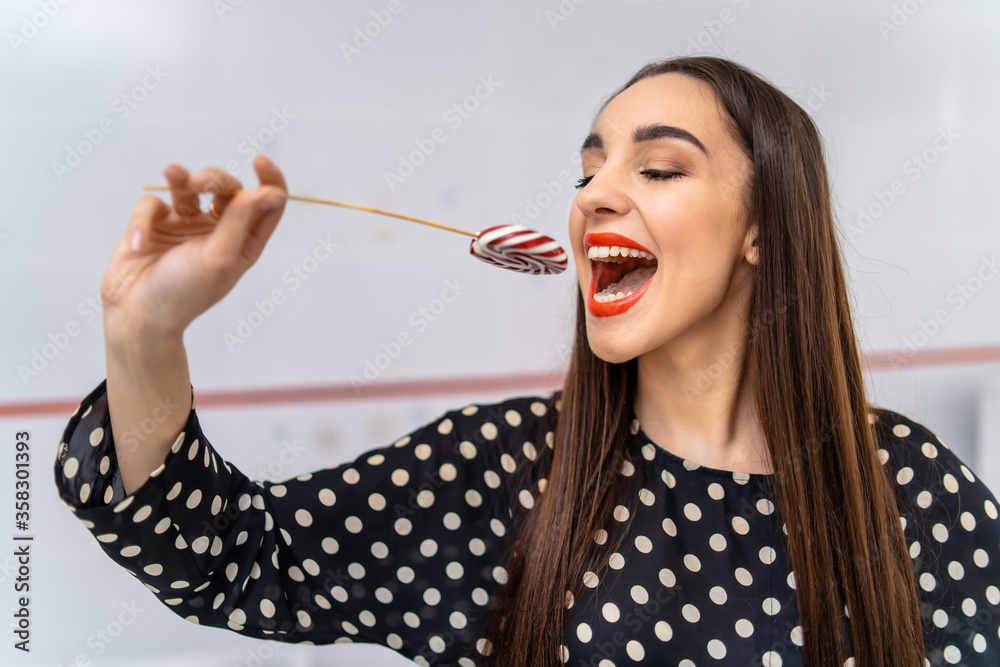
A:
(945, 507)
(511, 417)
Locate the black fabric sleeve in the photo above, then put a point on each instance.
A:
(401, 547)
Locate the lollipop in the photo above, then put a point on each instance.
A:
(508, 246)
(519, 249)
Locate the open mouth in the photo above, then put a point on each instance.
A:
(621, 272)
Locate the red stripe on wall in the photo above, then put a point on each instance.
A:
(526, 382)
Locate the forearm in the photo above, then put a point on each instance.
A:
(149, 400)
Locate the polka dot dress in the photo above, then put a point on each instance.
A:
(404, 545)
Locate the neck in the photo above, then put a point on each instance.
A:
(694, 399)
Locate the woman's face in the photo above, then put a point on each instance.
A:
(662, 179)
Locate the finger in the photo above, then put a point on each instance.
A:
(228, 243)
(215, 180)
(147, 211)
(184, 198)
(268, 173)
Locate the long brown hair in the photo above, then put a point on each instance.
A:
(845, 542)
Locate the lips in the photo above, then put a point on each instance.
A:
(621, 271)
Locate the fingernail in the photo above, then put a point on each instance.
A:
(135, 242)
(272, 201)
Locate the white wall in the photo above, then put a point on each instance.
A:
(879, 96)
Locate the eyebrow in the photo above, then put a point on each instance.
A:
(648, 133)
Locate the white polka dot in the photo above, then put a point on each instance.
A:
(400, 477)
(635, 650)
(717, 542)
(929, 450)
(193, 499)
(767, 555)
(663, 631)
(744, 628)
(901, 430)
(489, 430)
(955, 570)
(771, 659)
(155, 569)
(422, 451)
(904, 476)
(743, 576)
(924, 499)
(669, 527)
(353, 524)
(692, 563)
(940, 532)
(643, 544)
(718, 595)
(667, 577)
(590, 579)
(980, 558)
(639, 594)
(771, 606)
(610, 612)
(303, 518)
(991, 509)
(765, 506)
(993, 595)
(952, 654)
(740, 525)
(130, 551)
(950, 483)
(690, 613)
(969, 607)
(692, 512)
(716, 649)
(668, 478)
(715, 491)
(621, 513)
(616, 561)
(927, 581)
(71, 467)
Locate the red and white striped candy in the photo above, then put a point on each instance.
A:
(519, 249)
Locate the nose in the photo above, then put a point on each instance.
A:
(604, 196)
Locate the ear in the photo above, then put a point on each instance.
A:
(750, 247)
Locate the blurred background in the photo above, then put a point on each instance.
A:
(470, 114)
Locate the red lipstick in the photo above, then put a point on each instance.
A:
(607, 273)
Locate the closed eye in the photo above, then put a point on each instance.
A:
(650, 174)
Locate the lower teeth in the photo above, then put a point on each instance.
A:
(603, 297)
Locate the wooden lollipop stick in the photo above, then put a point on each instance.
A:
(316, 200)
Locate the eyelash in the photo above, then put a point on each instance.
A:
(650, 174)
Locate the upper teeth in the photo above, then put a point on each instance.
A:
(608, 251)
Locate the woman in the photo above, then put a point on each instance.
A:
(710, 486)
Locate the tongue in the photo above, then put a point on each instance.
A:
(632, 280)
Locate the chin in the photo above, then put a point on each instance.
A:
(609, 348)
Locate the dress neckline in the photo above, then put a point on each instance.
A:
(689, 466)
